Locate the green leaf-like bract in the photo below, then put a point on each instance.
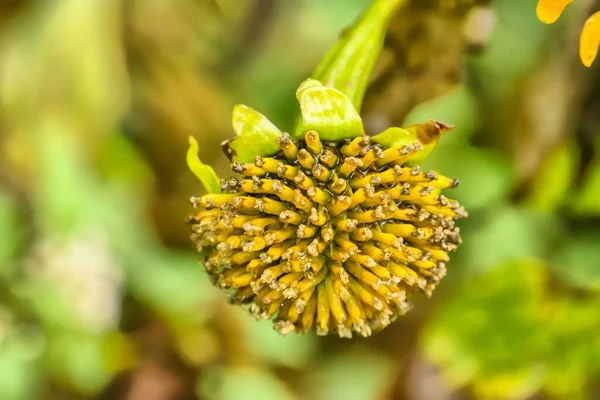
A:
(328, 111)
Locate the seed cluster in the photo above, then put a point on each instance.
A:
(336, 235)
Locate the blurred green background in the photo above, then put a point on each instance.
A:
(101, 295)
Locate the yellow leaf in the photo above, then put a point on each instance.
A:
(548, 11)
(590, 39)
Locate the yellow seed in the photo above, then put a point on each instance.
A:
(354, 309)
(318, 216)
(374, 252)
(316, 247)
(329, 159)
(254, 243)
(244, 257)
(365, 295)
(338, 186)
(308, 316)
(303, 181)
(345, 244)
(387, 238)
(370, 157)
(364, 259)
(291, 217)
(275, 305)
(287, 171)
(346, 225)
(313, 142)
(255, 265)
(292, 314)
(245, 204)
(279, 236)
(288, 146)
(306, 283)
(293, 265)
(335, 303)
(338, 254)
(339, 204)
(349, 165)
(267, 164)
(323, 310)
(358, 197)
(276, 250)
(401, 255)
(398, 155)
(354, 148)
(321, 173)
(318, 196)
(215, 212)
(403, 230)
(381, 272)
(306, 231)
(361, 234)
(305, 159)
(362, 274)
(248, 169)
(213, 200)
(317, 264)
(257, 224)
(272, 273)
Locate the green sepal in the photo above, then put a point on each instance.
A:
(205, 173)
(327, 111)
(394, 137)
(255, 135)
(349, 64)
(426, 134)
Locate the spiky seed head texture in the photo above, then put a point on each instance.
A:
(335, 235)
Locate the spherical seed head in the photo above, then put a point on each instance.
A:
(339, 246)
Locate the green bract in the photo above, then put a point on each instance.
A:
(328, 111)
(255, 135)
(204, 172)
(348, 65)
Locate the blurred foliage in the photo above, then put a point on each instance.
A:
(100, 293)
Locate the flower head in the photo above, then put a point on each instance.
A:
(548, 11)
(330, 228)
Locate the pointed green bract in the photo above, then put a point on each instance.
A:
(394, 137)
(255, 135)
(204, 172)
(328, 111)
(349, 64)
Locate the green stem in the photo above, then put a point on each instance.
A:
(349, 64)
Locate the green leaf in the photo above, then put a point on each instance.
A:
(507, 234)
(551, 187)
(348, 65)
(250, 383)
(474, 337)
(204, 172)
(256, 135)
(577, 261)
(357, 374)
(292, 351)
(327, 111)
